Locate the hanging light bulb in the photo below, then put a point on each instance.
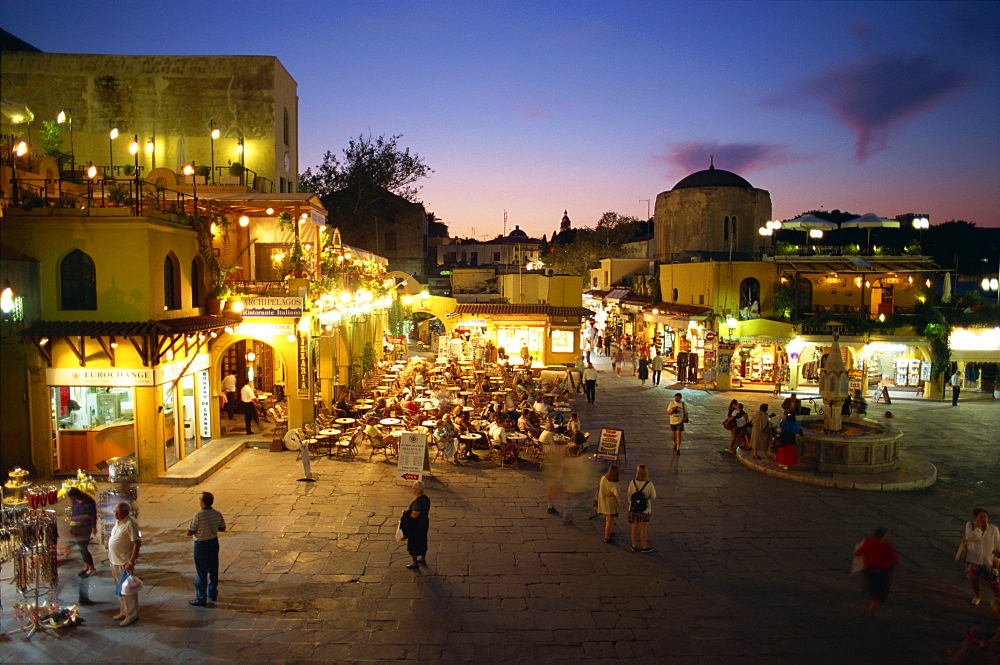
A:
(244, 220)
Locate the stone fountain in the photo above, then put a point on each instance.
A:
(844, 444)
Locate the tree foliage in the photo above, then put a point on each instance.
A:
(368, 163)
(580, 252)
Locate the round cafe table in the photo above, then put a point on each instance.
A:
(329, 433)
(390, 421)
(345, 421)
(429, 423)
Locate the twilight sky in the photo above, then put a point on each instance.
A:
(536, 107)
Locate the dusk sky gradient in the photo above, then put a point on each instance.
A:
(537, 107)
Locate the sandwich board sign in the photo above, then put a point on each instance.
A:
(412, 459)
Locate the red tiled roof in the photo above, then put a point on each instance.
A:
(506, 308)
(187, 324)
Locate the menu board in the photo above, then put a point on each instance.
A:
(610, 443)
(412, 455)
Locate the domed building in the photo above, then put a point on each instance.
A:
(710, 211)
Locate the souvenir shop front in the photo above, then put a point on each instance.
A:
(552, 334)
(901, 364)
(977, 353)
(760, 361)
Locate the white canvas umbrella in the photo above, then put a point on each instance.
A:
(870, 221)
(808, 223)
(181, 154)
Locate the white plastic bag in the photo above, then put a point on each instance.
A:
(131, 585)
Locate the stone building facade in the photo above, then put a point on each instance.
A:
(171, 102)
(709, 211)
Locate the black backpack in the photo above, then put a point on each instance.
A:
(638, 501)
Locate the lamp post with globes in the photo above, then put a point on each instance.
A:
(921, 223)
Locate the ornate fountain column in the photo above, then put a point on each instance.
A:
(833, 387)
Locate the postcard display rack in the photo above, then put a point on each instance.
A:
(28, 538)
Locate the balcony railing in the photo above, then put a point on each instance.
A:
(258, 287)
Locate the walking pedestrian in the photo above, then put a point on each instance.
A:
(956, 386)
(123, 550)
(607, 500)
(983, 542)
(730, 424)
(643, 370)
(229, 388)
(617, 361)
(641, 493)
(590, 383)
(657, 365)
(760, 431)
(607, 344)
(247, 397)
(82, 524)
(416, 526)
(205, 527)
(879, 559)
(678, 414)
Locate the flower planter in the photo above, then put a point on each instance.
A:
(214, 306)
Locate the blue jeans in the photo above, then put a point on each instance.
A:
(206, 568)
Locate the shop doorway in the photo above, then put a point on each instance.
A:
(425, 330)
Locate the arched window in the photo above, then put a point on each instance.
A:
(805, 295)
(725, 229)
(284, 126)
(749, 298)
(197, 281)
(171, 282)
(78, 281)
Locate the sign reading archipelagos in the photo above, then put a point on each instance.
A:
(274, 307)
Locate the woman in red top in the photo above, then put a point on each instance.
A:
(880, 557)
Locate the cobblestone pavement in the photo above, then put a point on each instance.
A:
(747, 568)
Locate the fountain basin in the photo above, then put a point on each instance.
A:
(862, 446)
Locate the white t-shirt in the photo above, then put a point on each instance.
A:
(247, 394)
(981, 544)
(123, 534)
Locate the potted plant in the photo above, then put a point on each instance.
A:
(235, 176)
(128, 169)
(219, 291)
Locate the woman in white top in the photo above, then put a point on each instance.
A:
(984, 550)
(607, 500)
(640, 519)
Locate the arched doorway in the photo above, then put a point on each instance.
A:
(425, 329)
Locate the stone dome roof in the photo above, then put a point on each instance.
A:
(517, 233)
(713, 177)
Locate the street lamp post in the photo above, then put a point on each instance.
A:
(188, 170)
(241, 153)
(214, 134)
(91, 173)
(112, 135)
(68, 117)
(151, 151)
(134, 149)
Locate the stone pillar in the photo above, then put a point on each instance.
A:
(833, 387)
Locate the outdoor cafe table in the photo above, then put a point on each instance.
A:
(429, 423)
(345, 421)
(390, 421)
(329, 434)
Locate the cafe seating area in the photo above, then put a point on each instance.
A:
(495, 414)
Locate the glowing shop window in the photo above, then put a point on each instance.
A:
(562, 341)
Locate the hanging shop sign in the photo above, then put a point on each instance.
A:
(302, 356)
(205, 404)
(264, 329)
(168, 373)
(113, 377)
(275, 307)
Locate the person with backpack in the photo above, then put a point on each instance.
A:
(641, 493)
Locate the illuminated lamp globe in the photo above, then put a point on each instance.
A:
(345, 297)
(244, 221)
(237, 306)
(407, 300)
